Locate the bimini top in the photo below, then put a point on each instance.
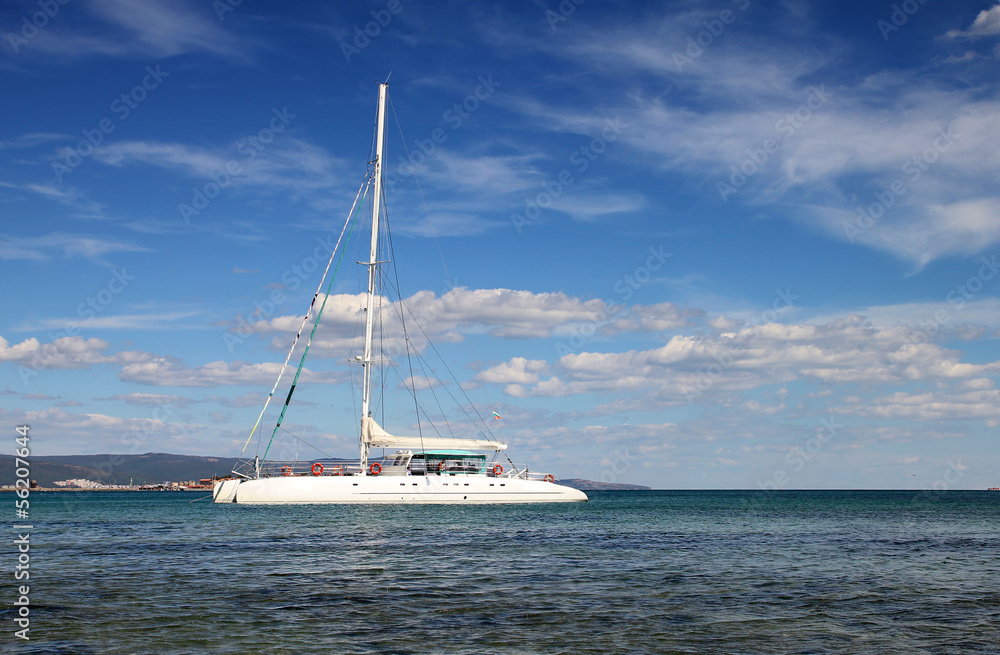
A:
(373, 435)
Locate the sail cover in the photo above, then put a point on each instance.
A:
(373, 434)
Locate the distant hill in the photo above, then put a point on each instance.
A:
(148, 468)
(153, 468)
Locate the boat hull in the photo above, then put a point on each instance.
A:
(392, 489)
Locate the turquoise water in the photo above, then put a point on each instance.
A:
(628, 572)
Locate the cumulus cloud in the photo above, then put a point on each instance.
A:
(65, 353)
(987, 23)
(932, 406)
(502, 313)
(165, 372)
(688, 367)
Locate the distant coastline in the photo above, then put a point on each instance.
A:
(163, 472)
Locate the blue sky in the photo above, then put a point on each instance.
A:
(721, 244)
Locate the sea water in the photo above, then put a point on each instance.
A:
(628, 572)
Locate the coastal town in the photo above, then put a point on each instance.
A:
(82, 484)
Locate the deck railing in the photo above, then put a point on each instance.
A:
(339, 467)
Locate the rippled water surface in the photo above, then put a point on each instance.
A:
(628, 572)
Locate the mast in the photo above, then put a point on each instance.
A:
(372, 263)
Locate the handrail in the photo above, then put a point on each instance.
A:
(327, 467)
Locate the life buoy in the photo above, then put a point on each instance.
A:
(337, 470)
(375, 468)
(497, 470)
(286, 470)
(317, 468)
(441, 466)
(549, 478)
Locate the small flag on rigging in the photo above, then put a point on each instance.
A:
(496, 416)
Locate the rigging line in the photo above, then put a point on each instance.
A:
(402, 321)
(483, 422)
(304, 320)
(461, 316)
(319, 315)
(303, 441)
(428, 373)
(422, 410)
(427, 370)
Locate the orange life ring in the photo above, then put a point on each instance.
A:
(286, 470)
(441, 465)
(317, 468)
(375, 468)
(497, 470)
(337, 470)
(549, 478)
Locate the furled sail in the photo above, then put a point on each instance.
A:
(373, 434)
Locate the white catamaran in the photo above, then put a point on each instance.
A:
(419, 469)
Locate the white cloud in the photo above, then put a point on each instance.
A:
(692, 367)
(503, 313)
(151, 399)
(42, 248)
(987, 23)
(838, 145)
(930, 406)
(287, 164)
(69, 197)
(70, 432)
(517, 371)
(140, 28)
(65, 353)
(163, 372)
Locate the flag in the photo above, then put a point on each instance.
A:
(496, 416)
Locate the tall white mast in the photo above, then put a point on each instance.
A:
(372, 263)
